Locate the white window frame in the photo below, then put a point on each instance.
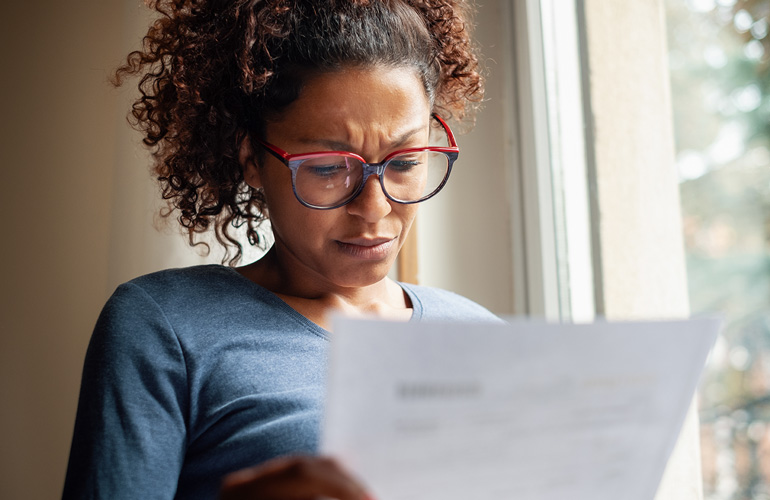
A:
(552, 234)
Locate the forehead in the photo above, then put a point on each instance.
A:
(354, 104)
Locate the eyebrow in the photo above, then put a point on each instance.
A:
(344, 146)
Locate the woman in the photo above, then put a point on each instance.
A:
(268, 109)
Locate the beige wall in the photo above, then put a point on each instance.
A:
(465, 232)
(70, 234)
(58, 139)
(639, 221)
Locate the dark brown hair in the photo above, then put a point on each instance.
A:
(212, 70)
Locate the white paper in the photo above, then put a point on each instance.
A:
(525, 411)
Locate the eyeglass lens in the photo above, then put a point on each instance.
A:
(327, 181)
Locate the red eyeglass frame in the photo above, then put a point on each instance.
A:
(293, 161)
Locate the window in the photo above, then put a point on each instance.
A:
(719, 58)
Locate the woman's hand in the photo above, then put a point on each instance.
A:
(293, 478)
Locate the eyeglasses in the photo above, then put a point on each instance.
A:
(330, 179)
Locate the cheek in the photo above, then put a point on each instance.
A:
(407, 214)
(305, 226)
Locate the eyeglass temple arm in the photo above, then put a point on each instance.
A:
(278, 153)
(450, 135)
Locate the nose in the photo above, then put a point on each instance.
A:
(371, 204)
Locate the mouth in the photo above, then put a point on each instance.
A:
(367, 248)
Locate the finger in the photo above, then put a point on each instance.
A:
(294, 478)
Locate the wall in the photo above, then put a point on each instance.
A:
(58, 140)
(465, 232)
(642, 254)
(72, 182)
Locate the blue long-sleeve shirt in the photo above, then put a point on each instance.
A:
(194, 373)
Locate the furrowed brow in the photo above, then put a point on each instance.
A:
(404, 138)
(331, 145)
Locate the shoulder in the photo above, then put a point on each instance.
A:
(184, 300)
(143, 309)
(439, 304)
(183, 291)
(187, 281)
(199, 303)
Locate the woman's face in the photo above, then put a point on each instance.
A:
(368, 111)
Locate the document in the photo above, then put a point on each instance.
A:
(520, 411)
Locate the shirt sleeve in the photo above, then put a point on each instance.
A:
(130, 430)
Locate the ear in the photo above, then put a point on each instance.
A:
(247, 159)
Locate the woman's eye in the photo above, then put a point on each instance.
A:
(403, 165)
(326, 171)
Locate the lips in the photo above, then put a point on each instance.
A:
(366, 242)
(367, 248)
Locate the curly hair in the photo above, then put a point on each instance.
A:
(211, 71)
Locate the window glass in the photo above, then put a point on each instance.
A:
(719, 58)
